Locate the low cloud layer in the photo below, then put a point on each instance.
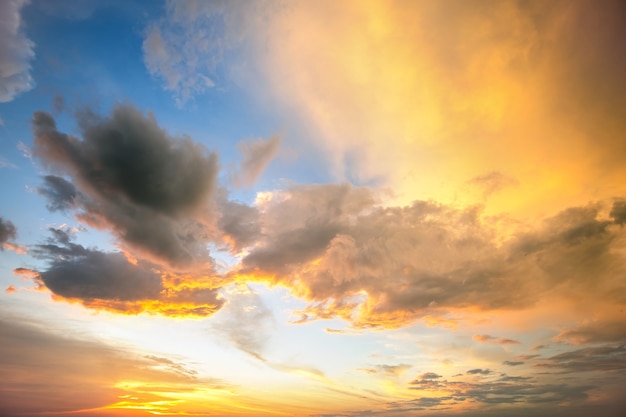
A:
(334, 245)
(45, 373)
(387, 266)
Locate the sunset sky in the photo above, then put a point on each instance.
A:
(313, 208)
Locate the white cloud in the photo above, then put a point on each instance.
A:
(16, 52)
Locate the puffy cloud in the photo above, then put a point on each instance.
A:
(16, 52)
(128, 174)
(111, 281)
(256, 155)
(388, 266)
(297, 225)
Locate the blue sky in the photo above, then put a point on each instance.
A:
(312, 208)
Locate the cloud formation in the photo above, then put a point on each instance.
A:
(16, 52)
(129, 175)
(105, 280)
(387, 266)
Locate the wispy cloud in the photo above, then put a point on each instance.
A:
(485, 338)
(16, 52)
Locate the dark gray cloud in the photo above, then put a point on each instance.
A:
(256, 155)
(129, 156)
(502, 390)
(59, 193)
(512, 363)
(78, 272)
(428, 380)
(238, 222)
(150, 188)
(600, 358)
(618, 212)
(7, 232)
(105, 280)
(479, 371)
(16, 52)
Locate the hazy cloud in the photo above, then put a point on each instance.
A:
(492, 182)
(185, 48)
(392, 370)
(245, 321)
(16, 52)
(4, 163)
(30, 354)
(256, 155)
(485, 338)
(58, 103)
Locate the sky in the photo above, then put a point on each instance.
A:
(312, 208)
